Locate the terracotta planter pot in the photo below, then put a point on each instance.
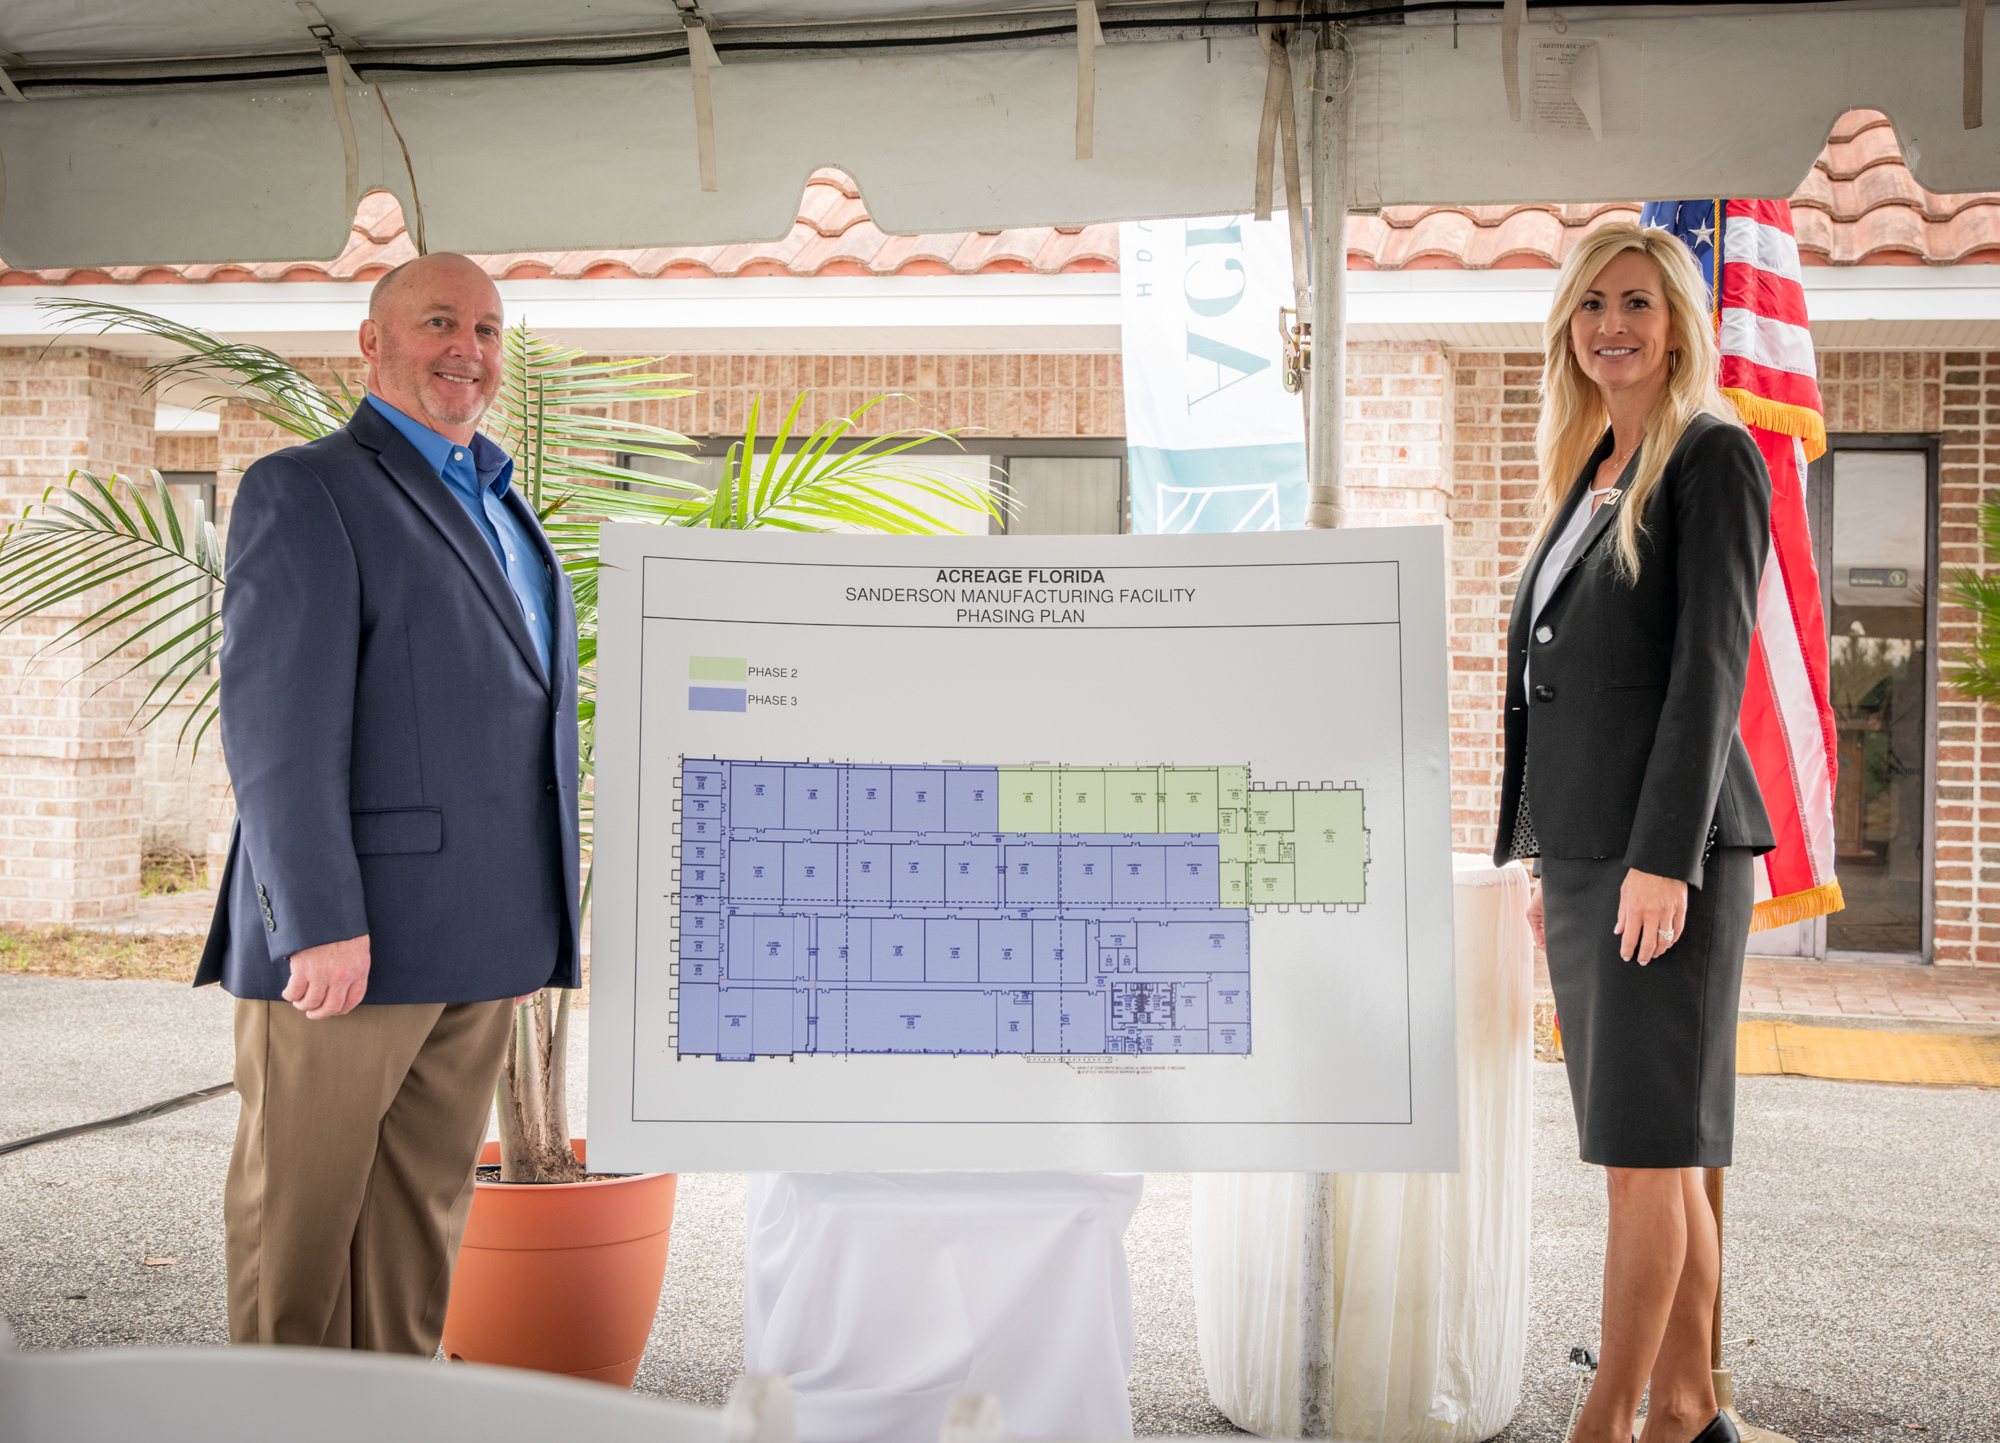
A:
(561, 1277)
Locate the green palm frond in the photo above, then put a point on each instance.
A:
(553, 415)
(92, 533)
(1975, 668)
(771, 482)
(251, 376)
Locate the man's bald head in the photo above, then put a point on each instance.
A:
(414, 273)
(433, 342)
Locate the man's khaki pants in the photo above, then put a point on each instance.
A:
(353, 1170)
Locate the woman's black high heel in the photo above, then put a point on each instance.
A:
(1721, 1430)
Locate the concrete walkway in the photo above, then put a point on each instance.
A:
(1926, 995)
(1863, 1247)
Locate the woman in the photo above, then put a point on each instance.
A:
(1626, 653)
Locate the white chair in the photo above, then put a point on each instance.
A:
(313, 1395)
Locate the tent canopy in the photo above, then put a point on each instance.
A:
(187, 130)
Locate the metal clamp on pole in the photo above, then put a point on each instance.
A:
(1298, 338)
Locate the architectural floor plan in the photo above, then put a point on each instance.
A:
(828, 908)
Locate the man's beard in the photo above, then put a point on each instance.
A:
(441, 407)
(456, 415)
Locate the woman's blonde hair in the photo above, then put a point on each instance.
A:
(1573, 413)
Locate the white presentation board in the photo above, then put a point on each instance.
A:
(1092, 852)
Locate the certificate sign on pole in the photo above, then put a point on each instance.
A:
(1065, 853)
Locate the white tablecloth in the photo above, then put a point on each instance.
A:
(880, 1297)
(1423, 1278)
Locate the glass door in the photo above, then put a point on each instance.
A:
(1876, 533)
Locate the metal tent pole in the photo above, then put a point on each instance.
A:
(1326, 495)
(1326, 505)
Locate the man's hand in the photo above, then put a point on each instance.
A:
(1651, 913)
(328, 981)
(1535, 914)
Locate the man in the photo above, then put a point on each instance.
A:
(399, 717)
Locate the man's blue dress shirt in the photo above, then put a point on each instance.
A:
(479, 476)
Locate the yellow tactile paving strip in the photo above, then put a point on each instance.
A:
(1853, 1054)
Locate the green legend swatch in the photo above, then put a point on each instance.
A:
(718, 668)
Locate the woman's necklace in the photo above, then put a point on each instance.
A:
(1618, 462)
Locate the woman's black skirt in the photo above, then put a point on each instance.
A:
(1651, 1050)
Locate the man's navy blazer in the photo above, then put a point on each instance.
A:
(403, 766)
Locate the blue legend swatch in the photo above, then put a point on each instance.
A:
(718, 698)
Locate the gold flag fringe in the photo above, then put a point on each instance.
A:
(1783, 417)
(1797, 907)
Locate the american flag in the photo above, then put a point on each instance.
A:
(1758, 307)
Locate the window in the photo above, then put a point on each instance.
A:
(1881, 680)
(1066, 495)
(193, 496)
(1872, 501)
(1059, 486)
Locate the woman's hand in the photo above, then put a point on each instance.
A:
(1651, 913)
(1535, 914)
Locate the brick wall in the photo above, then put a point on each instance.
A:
(1399, 431)
(1494, 407)
(69, 792)
(185, 451)
(1966, 398)
(1017, 395)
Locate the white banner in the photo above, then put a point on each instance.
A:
(1215, 441)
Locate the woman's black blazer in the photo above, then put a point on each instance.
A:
(1630, 745)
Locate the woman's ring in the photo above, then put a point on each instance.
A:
(1666, 934)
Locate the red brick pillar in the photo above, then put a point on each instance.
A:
(70, 800)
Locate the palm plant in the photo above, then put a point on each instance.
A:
(1975, 669)
(145, 581)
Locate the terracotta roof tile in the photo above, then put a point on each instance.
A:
(832, 235)
(1859, 205)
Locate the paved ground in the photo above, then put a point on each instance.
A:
(1864, 1233)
